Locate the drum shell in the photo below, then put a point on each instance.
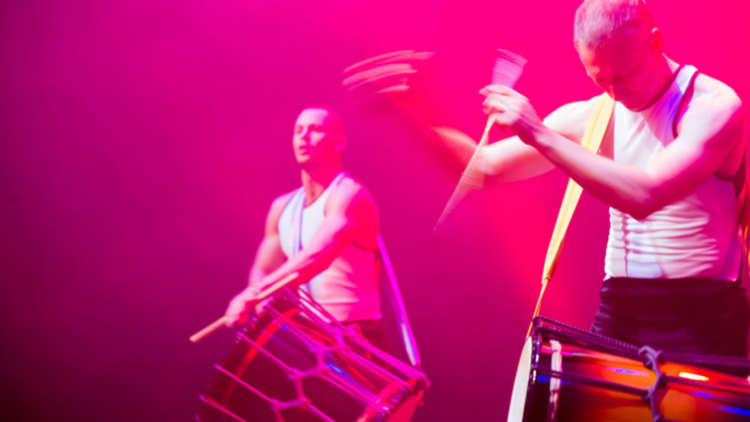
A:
(590, 388)
(291, 364)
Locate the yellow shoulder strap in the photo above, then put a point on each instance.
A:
(597, 126)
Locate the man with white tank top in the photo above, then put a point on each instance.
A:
(671, 167)
(326, 231)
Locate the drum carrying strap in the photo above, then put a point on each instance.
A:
(597, 126)
(399, 310)
(298, 203)
(298, 208)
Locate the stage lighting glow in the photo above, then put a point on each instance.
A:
(691, 376)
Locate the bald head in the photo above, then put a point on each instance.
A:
(598, 22)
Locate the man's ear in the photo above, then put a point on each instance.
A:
(341, 142)
(657, 41)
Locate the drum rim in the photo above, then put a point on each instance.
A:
(534, 342)
(518, 404)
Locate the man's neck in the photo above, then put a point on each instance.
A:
(664, 69)
(315, 180)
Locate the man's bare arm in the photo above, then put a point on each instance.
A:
(510, 159)
(268, 258)
(712, 128)
(269, 255)
(350, 214)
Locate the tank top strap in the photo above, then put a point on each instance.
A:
(298, 204)
(335, 182)
(686, 84)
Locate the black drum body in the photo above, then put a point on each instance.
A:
(567, 374)
(292, 365)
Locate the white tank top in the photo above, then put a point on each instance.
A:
(695, 236)
(348, 289)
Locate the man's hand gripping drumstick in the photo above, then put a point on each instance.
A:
(238, 310)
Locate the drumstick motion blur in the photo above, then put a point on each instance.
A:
(506, 70)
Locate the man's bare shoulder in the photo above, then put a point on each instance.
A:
(352, 199)
(714, 94)
(351, 190)
(714, 108)
(278, 205)
(570, 119)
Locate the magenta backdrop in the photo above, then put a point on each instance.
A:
(143, 141)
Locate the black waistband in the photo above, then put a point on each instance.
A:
(690, 296)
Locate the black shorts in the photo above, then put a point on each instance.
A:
(697, 316)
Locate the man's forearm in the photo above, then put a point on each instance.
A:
(307, 263)
(455, 145)
(620, 186)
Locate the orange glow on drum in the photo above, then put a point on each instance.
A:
(691, 376)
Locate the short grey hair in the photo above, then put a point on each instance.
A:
(598, 21)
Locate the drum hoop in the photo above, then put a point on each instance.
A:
(519, 398)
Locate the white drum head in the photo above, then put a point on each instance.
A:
(521, 385)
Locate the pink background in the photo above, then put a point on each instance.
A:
(143, 141)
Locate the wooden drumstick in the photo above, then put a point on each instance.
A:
(265, 294)
(209, 329)
(275, 287)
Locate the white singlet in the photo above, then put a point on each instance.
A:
(348, 289)
(693, 237)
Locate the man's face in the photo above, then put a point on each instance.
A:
(623, 69)
(315, 141)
